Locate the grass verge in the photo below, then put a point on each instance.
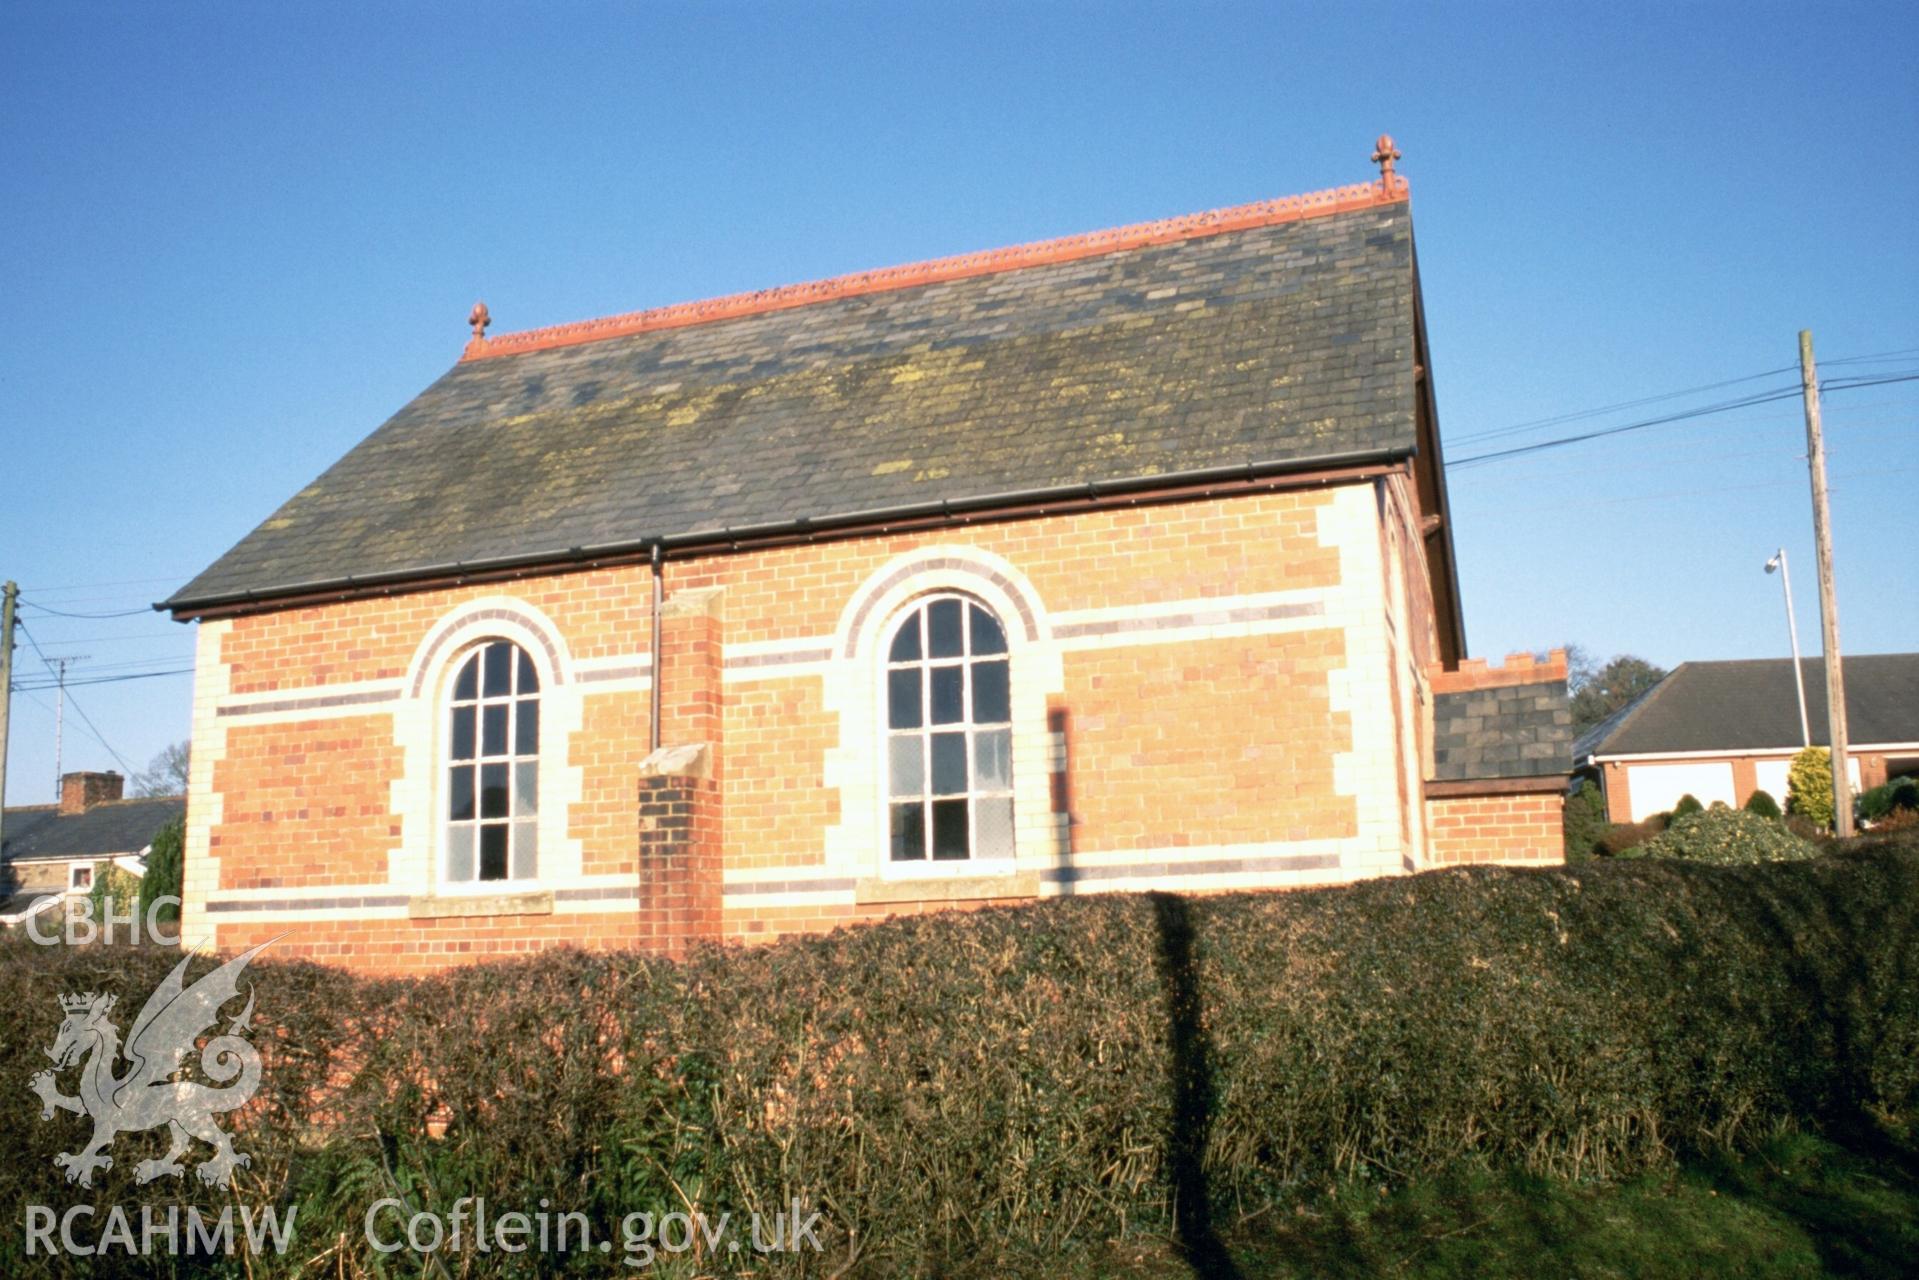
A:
(1795, 1207)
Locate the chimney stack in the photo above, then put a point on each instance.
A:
(80, 792)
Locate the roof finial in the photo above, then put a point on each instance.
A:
(479, 318)
(1384, 153)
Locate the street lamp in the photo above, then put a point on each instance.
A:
(1792, 629)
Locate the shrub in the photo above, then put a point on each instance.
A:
(1584, 821)
(1809, 786)
(162, 879)
(1724, 835)
(1621, 837)
(1878, 804)
(1688, 803)
(1762, 803)
(986, 1089)
(110, 881)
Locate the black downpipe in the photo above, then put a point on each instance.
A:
(653, 683)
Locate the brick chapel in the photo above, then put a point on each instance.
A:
(1114, 562)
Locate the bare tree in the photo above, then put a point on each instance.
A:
(165, 775)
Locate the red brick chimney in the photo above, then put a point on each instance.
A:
(79, 792)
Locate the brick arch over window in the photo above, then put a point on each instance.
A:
(506, 620)
(874, 606)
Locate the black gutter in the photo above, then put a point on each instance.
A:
(730, 536)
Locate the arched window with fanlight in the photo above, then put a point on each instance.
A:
(493, 767)
(949, 734)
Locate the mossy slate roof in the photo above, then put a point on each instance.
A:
(1288, 343)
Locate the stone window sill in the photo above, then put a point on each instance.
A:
(445, 906)
(878, 891)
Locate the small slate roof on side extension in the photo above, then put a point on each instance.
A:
(1751, 706)
(1512, 731)
(113, 826)
(1198, 345)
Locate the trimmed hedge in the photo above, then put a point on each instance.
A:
(1688, 804)
(973, 1092)
(1762, 803)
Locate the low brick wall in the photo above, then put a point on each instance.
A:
(1522, 828)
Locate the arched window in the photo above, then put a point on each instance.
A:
(493, 768)
(949, 732)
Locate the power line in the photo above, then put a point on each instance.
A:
(1744, 402)
(61, 613)
(78, 709)
(138, 675)
(1579, 414)
(88, 586)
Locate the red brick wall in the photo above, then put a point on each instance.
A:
(1208, 742)
(1213, 741)
(306, 804)
(1496, 828)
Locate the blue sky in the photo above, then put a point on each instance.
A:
(238, 237)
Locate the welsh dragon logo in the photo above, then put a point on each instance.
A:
(147, 1096)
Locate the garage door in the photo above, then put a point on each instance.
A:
(1656, 788)
(1771, 776)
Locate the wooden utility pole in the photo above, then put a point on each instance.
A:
(1828, 599)
(8, 594)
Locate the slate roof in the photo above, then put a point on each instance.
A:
(1277, 346)
(1511, 731)
(17, 903)
(1751, 705)
(113, 826)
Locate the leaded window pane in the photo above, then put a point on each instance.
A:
(943, 628)
(526, 848)
(906, 765)
(526, 727)
(949, 764)
(906, 643)
(493, 848)
(993, 827)
(986, 634)
(993, 759)
(992, 693)
(909, 831)
(459, 852)
(461, 748)
(949, 706)
(903, 698)
(949, 830)
(493, 799)
(460, 793)
(498, 661)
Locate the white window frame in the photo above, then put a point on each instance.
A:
(973, 864)
(444, 763)
(73, 869)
